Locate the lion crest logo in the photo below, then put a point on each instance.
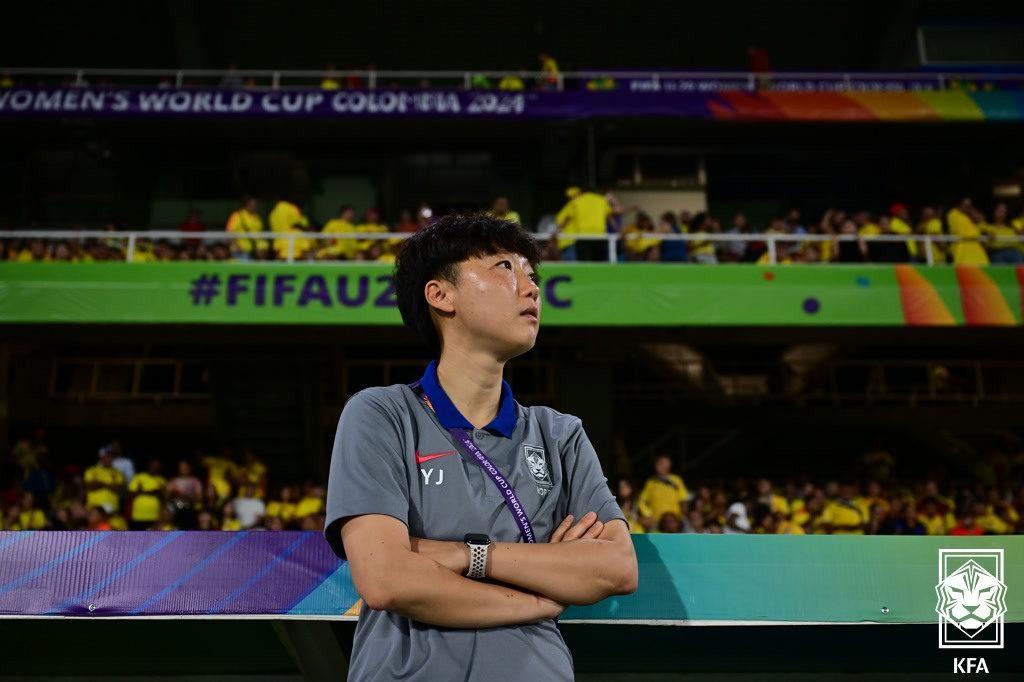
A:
(971, 598)
(538, 463)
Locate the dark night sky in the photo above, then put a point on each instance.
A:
(462, 34)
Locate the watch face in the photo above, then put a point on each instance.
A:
(477, 539)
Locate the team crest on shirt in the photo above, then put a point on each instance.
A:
(537, 460)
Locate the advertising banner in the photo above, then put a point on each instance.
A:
(678, 98)
(684, 579)
(572, 294)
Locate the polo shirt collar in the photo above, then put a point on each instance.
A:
(449, 415)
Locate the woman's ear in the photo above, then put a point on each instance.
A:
(440, 295)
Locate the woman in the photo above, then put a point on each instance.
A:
(963, 223)
(468, 520)
(630, 509)
(638, 247)
(1003, 247)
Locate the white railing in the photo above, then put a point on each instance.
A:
(721, 80)
(131, 238)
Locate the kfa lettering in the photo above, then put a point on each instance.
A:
(970, 665)
(428, 473)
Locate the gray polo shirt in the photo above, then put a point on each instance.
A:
(393, 455)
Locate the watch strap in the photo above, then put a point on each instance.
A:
(477, 561)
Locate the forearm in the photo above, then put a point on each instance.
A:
(582, 571)
(426, 591)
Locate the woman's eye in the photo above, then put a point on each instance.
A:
(506, 262)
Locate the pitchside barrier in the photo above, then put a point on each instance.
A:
(965, 594)
(574, 294)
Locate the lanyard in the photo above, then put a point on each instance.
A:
(507, 492)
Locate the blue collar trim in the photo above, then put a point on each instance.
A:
(450, 417)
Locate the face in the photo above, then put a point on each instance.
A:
(663, 465)
(184, 469)
(501, 205)
(495, 306)
(154, 467)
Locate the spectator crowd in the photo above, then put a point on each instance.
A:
(665, 504)
(228, 492)
(837, 236)
(207, 492)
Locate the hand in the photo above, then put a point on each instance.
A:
(587, 527)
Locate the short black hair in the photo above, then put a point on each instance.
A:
(435, 252)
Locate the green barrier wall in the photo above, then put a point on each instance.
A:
(798, 579)
(574, 294)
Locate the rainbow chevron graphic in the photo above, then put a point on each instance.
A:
(922, 305)
(982, 301)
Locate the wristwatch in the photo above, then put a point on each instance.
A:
(479, 547)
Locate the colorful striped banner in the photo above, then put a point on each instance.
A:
(711, 103)
(684, 579)
(574, 294)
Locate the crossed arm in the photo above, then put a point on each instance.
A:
(422, 579)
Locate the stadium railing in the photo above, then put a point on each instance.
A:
(701, 81)
(131, 238)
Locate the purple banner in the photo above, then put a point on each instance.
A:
(152, 573)
(776, 101)
(310, 102)
(781, 83)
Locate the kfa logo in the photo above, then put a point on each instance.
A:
(971, 599)
(970, 665)
(537, 461)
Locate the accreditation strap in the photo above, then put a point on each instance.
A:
(508, 493)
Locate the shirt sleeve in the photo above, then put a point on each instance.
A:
(368, 471)
(588, 486)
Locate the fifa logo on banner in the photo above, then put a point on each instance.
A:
(971, 599)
